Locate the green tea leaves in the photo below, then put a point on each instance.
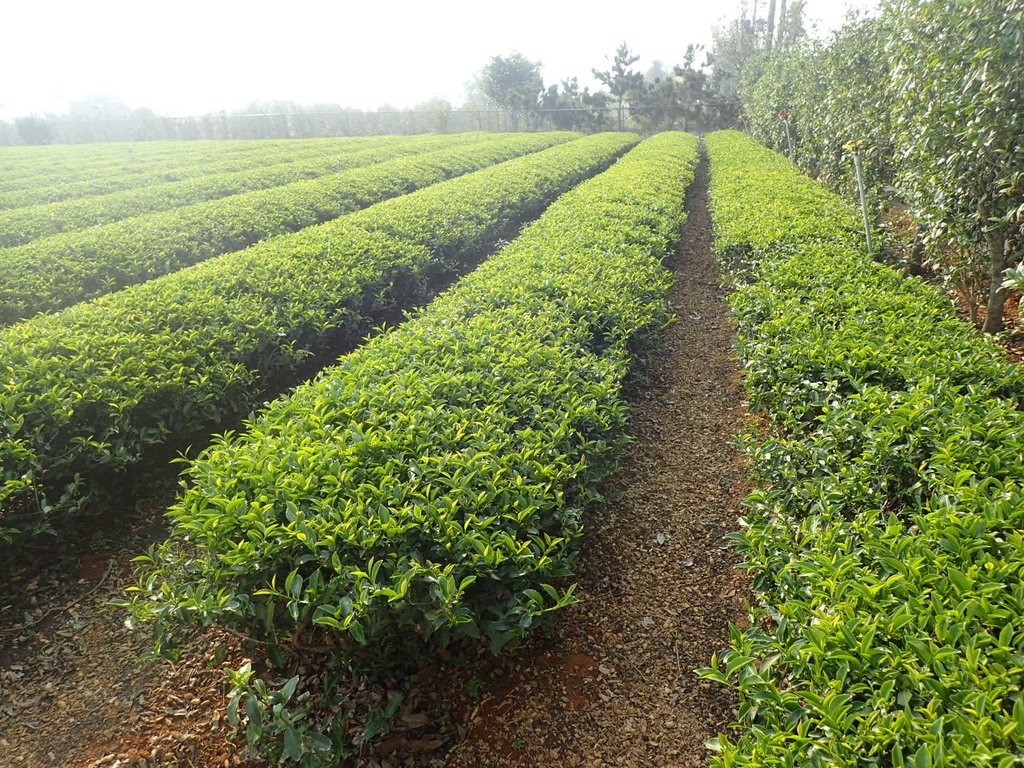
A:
(884, 535)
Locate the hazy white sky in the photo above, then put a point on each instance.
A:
(188, 57)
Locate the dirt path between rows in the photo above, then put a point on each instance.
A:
(614, 685)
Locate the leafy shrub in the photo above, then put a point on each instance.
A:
(428, 488)
(25, 224)
(64, 172)
(779, 206)
(885, 536)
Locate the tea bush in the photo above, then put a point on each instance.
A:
(62, 172)
(25, 224)
(428, 488)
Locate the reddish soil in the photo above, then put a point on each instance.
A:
(72, 691)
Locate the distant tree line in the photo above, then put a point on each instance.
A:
(507, 94)
(108, 120)
(681, 97)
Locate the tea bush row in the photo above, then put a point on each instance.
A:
(79, 171)
(59, 271)
(23, 225)
(886, 534)
(428, 489)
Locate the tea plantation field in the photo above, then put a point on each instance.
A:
(369, 505)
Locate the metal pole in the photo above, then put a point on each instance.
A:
(863, 200)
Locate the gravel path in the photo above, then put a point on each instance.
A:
(614, 685)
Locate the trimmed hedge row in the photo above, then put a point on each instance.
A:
(23, 225)
(62, 270)
(886, 536)
(429, 487)
(71, 160)
(95, 385)
(797, 210)
(78, 173)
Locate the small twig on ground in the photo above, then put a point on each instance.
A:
(634, 666)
